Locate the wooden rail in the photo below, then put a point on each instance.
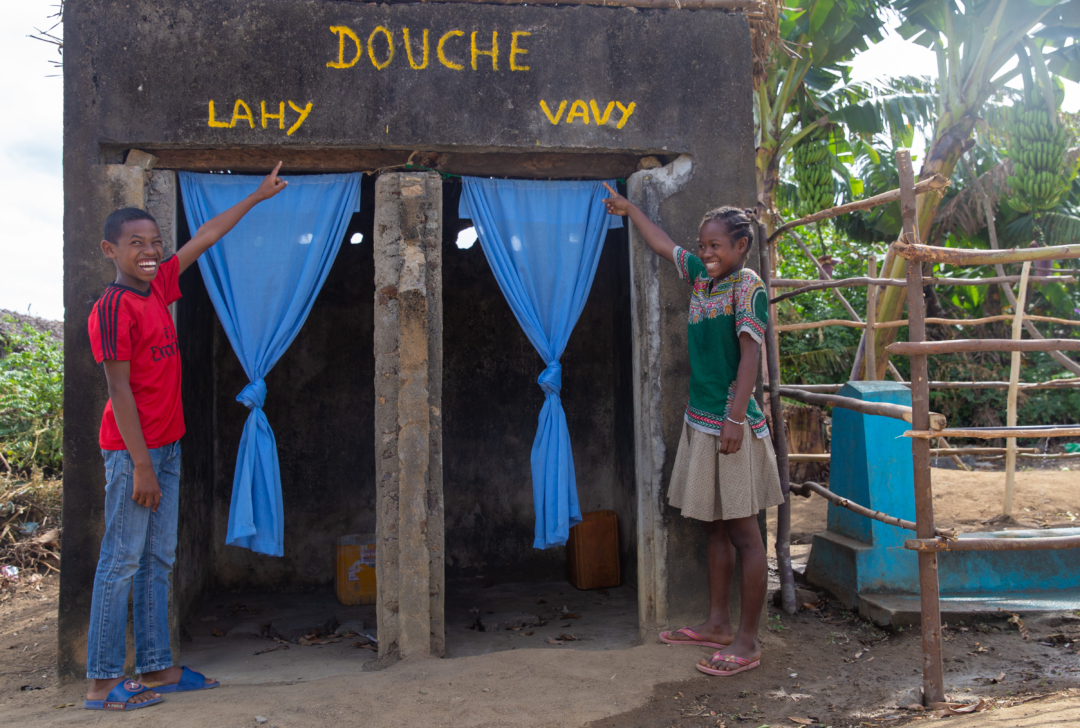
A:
(882, 409)
(992, 433)
(1051, 384)
(961, 256)
(934, 281)
(936, 183)
(983, 320)
(912, 348)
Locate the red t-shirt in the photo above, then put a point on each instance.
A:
(128, 325)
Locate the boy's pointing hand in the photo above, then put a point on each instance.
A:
(271, 185)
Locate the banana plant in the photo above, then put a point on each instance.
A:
(975, 42)
(818, 36)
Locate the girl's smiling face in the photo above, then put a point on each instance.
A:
(721, 255)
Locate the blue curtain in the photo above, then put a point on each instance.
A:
(263, 278)
(543, 242)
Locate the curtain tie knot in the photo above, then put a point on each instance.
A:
(253, 395)
(550, 380)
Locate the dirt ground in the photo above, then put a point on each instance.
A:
(821, 667)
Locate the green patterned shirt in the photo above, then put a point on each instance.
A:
(719, 312)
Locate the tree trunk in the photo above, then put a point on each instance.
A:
(942, 159)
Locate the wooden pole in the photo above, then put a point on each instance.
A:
(933, 667)
(871, 319)
(780, 446)
(1014, 380)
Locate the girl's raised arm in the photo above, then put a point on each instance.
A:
(656, 238)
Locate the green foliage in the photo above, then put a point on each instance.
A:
(31, 399)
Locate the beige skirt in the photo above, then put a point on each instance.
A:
(710, 486)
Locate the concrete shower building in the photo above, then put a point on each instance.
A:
(402, 408)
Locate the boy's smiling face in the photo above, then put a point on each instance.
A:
(137, 253)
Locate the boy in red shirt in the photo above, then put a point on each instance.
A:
(132, 336)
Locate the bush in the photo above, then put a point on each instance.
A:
(31, 399)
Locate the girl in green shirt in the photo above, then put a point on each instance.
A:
(725, 469)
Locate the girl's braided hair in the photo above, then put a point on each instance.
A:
(738, 223)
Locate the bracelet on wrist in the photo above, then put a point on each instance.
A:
(728, 418)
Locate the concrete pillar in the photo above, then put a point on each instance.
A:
(87, 272)
(408, 418)
(672, 588)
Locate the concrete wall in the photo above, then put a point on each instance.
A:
(140, 74)
(491, 403)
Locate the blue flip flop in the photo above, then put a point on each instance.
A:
(189, 680)
(118, 697)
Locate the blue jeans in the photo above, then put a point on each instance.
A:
(138, 549)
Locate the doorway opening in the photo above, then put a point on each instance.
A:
(501, 593)
(320, 404)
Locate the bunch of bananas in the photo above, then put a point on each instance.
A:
(813, 172)
(1041, 173)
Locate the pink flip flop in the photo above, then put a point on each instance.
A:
(743, 665)
(695, 639)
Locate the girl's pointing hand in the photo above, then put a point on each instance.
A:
(616, 204)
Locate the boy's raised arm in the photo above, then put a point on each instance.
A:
(656, 238)
(215, 228)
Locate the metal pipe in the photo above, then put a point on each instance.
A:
(925, 545)
(804, 489)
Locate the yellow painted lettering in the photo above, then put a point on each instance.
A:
(211, 121)
(408, 50)
(303, 115)
(280, 116)
(547, 112)
(626, 111)
(515, 51)
(380, 65)
(601, 119)
(246, 116)
(344, 32)
(441, 52)
(494, 52)
(578, 109)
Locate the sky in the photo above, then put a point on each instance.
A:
(31, 183)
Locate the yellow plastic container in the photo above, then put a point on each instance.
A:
(354, 577)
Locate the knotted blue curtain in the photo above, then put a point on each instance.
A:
(263, 278)
(543, 241)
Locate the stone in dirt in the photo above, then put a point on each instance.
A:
(802, 596)
(249, 630)
(353, 626)
(507, 620)
(291, 629)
